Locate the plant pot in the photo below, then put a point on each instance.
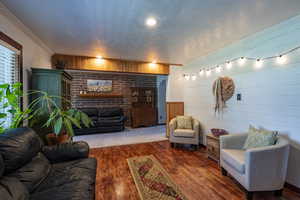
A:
(63, 138)
(51, 139)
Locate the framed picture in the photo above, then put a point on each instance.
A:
(99, 85)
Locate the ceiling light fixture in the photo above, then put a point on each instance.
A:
(151, 22)
(153, 63)
(99, 60)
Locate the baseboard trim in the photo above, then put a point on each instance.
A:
(292, 187)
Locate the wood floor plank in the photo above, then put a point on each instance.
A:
(198, 177)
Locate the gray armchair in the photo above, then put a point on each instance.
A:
(184, 136)
(257, 169)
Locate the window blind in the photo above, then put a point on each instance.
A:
(9, 72)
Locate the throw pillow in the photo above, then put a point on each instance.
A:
(184, 122)
(260, 138)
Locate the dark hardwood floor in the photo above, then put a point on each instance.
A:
(198, 177)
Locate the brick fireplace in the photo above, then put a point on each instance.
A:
(121, 85)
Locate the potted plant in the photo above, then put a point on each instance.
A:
(60, 121)
(42, 110)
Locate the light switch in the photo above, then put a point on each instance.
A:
(239, 97)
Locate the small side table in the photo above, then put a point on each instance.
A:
(213, 147)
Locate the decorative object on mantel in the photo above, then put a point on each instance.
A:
(99, 85)
(60, 64)
(223, 90)
(217, 132)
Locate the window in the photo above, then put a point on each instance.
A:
(10, 65)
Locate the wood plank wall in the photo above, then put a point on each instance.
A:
(174, 109)
(109, 65)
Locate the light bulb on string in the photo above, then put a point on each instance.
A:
(281, 59)
(201, 72)
(218, 69)
(242, 61)
(208, 72)
(228, 65)
(186, 76)
(258, 63)
(194, 77)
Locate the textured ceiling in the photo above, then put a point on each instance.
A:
(115, 28)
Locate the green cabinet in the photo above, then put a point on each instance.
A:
(55, 82)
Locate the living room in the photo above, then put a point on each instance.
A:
(138, 99)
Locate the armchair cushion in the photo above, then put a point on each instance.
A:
(260, 138)
(184, 133)
(184, 122)
(66, 152)
(235, 158)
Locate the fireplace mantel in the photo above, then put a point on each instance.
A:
(100, 96)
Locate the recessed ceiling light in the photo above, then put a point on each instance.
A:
(151, 21)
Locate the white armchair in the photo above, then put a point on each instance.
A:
(257, 169)
(184, 136)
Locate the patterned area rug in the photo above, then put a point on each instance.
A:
(152, 181)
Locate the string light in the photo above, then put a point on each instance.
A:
(194, 77)
(218, 69)
(258, 63)
(201, 72)
(186, 76)
(281, 59)
(242, 61)
(208, 72)
(228, 65)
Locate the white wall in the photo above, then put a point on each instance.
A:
(270, 95)
(175, 84)
(35, 53)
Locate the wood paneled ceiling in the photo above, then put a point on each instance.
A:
(115, 28)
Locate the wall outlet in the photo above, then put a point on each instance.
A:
(239, 97)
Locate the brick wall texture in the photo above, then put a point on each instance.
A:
(121, 85)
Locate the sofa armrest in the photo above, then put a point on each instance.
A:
(233, 141)
(267, 166)
(66, 152)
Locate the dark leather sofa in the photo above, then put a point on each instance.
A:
(31, 171)
(106, 119)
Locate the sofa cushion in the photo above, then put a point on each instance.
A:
(18, 147)
(260, 138)
(12, 189)
(184, 133)
(235, 158)
(33, 173)
(91, 112)
(184, 122)
(73, 180)
(110, 111)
